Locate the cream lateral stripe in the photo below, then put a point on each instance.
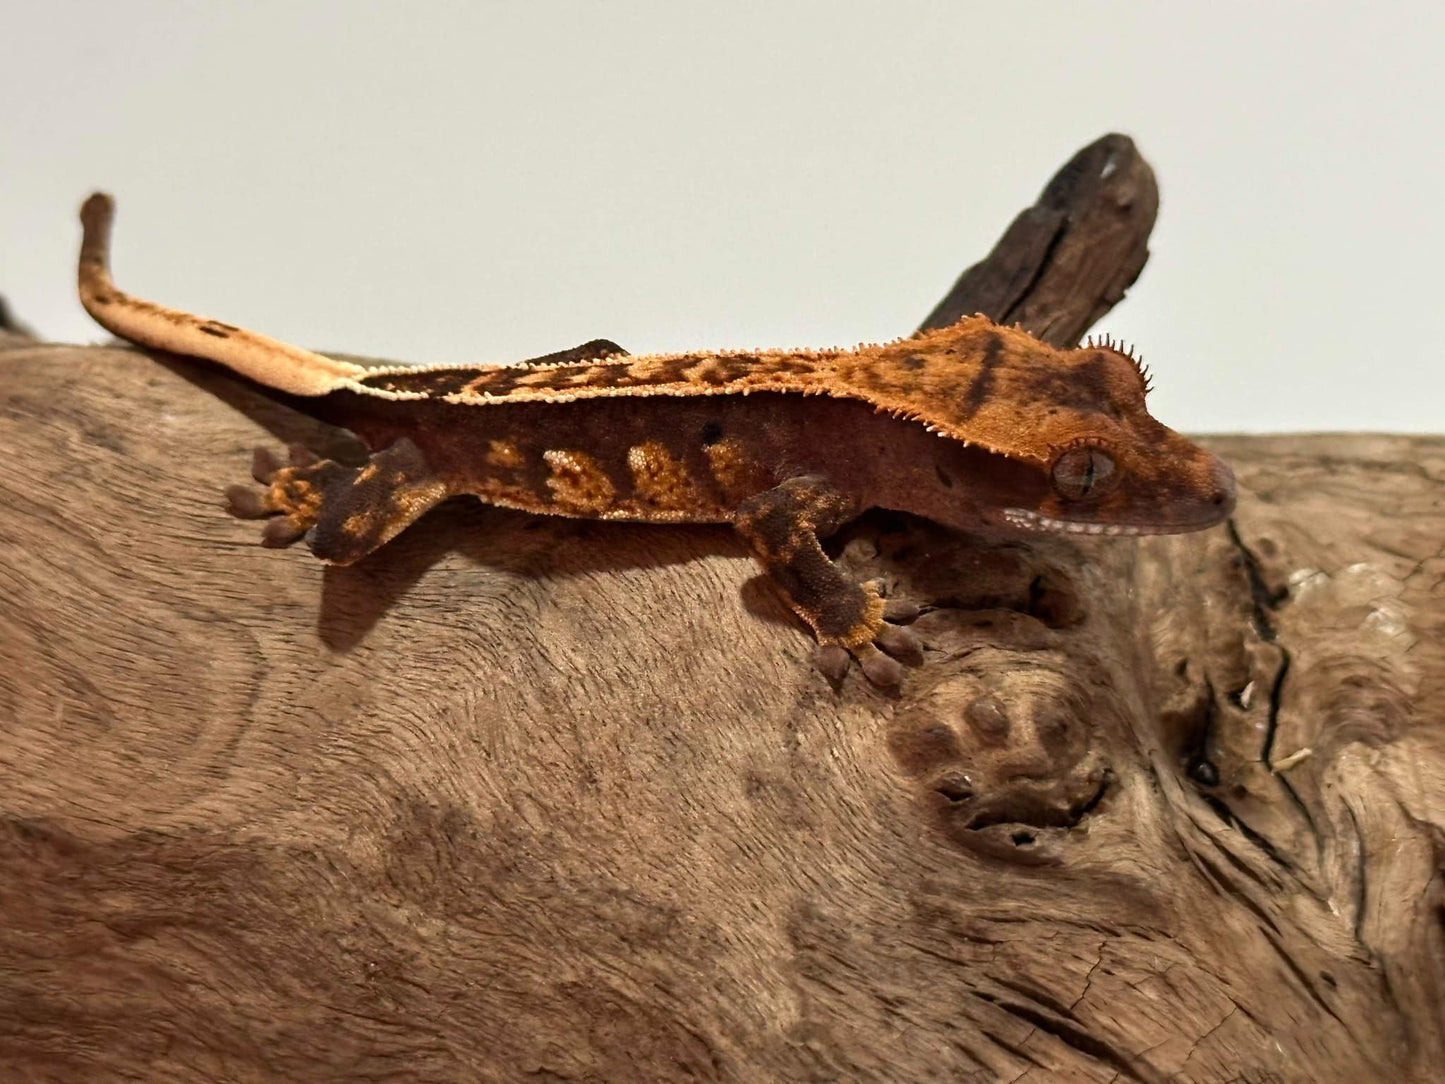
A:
(603, 391)
(267, 361)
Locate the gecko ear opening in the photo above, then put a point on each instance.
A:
(1083, 473)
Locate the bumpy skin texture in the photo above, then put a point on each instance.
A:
(973, 426)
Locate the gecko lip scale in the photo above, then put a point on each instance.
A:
(1035, 521)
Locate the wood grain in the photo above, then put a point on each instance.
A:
(530, 797)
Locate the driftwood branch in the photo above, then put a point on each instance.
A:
(532, 799)
(1067, 260)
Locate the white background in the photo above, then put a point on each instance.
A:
(468, 182)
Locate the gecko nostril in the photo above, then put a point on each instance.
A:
(1222, 495)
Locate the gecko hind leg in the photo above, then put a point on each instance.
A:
(344, 512)
(783, 525)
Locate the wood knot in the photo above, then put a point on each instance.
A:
(1003, 750)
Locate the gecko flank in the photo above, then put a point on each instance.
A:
(975, 426)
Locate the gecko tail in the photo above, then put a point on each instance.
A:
(265, 360)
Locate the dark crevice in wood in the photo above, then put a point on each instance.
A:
(1271, 729)
(1011, 314)
(1225, 884)
(1070, 1035)
(954, 789)
(1013, 1048)
(1304, 981)
(1276, 696)
(1388, 988)
(1361, 868)
(1039, 818)
(1197, 731)
(1082, 811)
(1231, 818)
(1265, 601)
(1035, 994)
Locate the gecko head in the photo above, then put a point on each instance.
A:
(1120, 471)
(1072, 444)
(1047, 439)
(1098, 486)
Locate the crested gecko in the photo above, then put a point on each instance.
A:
(974, 426)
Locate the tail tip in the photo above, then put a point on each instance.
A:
(97, 211)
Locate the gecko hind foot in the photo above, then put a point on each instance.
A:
(344, 512)
(292, 498)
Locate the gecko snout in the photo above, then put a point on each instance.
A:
(1221, 480)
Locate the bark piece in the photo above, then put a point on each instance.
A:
(1068, 259)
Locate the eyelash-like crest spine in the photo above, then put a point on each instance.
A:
(1108, 342)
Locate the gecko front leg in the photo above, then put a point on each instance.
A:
(347, 512)
(783, 526)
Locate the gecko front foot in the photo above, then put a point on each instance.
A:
(345, 512)
(878, 656)
(850, 619)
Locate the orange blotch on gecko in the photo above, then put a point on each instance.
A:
(659, 481)
(578, 483)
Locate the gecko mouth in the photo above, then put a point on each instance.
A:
(1037, 521)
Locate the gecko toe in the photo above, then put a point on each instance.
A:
(281, 531)
(901, 611)
(343, 512)
(880, 669)
(832, 661)
(246, 503)
(264, 465)
(899, 642)
(291, 495)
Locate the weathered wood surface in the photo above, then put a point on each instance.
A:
(545, 800)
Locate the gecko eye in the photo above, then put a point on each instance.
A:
(1081, 473)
